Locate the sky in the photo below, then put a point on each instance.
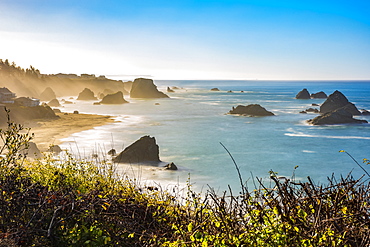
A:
(219, 39)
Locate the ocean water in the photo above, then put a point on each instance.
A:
(190, 126)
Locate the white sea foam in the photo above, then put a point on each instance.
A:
(301, 134)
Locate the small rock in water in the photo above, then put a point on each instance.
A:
(112, 152)
(171, 166)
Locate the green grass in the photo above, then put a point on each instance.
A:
(63, 201)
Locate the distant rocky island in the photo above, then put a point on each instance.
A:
(335, 110)
(115, 98)
(145, 88)
(253, 110)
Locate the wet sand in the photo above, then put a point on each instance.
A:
(51, 131)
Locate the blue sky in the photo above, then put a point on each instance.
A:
(283, 40)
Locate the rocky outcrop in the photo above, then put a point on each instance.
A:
(145, 88)
(339, 116)
(169, 90)
(31, 151)
(143, 150)
(116, 98)
(314, 110)
(304, 94)
(112, 152)
(171, 166)
(251, 110)
(365, 112)
(215, 89)
(55, 149)
(47, 95)
(54, 103)
(337, 100)
(319, 95)
(86, 94)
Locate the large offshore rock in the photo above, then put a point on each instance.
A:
(143, 150)
(337, 100)
(339, 116)
(304, 94)
(86, 94)
(116, 98)
(145, 88)
(251, 110)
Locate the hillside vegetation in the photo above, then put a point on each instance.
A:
(64, 201)
(31, 83)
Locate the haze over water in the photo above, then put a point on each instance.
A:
(191, 124)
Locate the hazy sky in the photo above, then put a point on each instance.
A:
(256, 39)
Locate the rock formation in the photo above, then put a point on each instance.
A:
(145, 88)
(55, 149)
(116, 98)
(319, 95)
(143, 150)
(31, 151)
(215, 89)
(54, 103)
(365, 112)
(169, 90)
(313, 110)
(338, 116)
(47, 95)
(304, 94)
(112, 152)
(171, 166)
(251, 110)
(86, 94)
(337, 100)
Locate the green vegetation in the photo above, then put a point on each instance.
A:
(62, 201)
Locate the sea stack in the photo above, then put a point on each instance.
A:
(253, 110)
(145, 88)
(116, 98)
(337, 100)
(143, 150)
(304, 94)
(86, 94)
(319, 95)
(339, 116)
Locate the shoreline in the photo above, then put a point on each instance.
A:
(50, 131)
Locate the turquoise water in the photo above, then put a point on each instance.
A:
(191, 124)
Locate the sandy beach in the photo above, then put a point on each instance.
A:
(51, 131)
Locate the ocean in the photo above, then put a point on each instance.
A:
(190, 126)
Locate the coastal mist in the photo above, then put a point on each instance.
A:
(190, 125)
